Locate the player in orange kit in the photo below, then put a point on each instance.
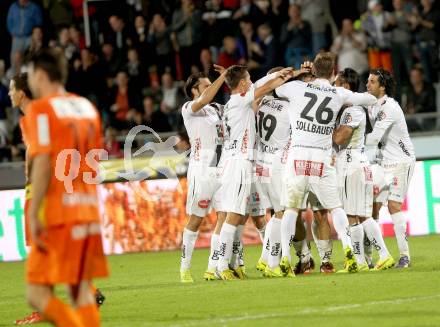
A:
(63, 134)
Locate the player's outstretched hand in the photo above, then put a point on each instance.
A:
(307, 66)
(219, 69)
(286, 73)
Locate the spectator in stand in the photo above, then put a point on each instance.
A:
(317, 13)
(206, 61)
(426, 24)
(230, 55)
(216, 23)
(23, 16)
(125, 103)
(250, 11)
(111, 144)
(277, 15)
(187, 26)
(172, 99)
(378, 40)
(160, 37)
(296, 36)
(76, 38)
(136, 70)
(268, 50)
(16, 66)
(419, 97)
(248, 42)
(60, 12)
(5, 102)
(140, 41)
(350, 46)
(401, 52)
(153, 117)
(111, 62)
(119, 36)
(65, 43)
(37, 42)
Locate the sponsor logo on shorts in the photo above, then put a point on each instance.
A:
(204, 204)
(395, 181)
(255, 197)
(261, 170)
(308, 168)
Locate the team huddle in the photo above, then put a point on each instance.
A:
(296, 139)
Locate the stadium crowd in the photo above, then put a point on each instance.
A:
(141, 51)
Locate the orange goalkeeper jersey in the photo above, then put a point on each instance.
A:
(66, 127)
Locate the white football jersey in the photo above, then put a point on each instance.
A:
(313, 110)
(239, 126)
(354, 151)
(273, 129)
(391, 131)
(205, 132)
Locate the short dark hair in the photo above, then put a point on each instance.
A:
(234, 74)
(324, 64)
(349, 76)
(21, 84)
(53, 62)
(192, 82)
(385, 79)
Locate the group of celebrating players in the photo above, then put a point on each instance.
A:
(292, 140)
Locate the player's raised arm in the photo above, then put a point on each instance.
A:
(275, 80)
(209, 93)
(356, 99)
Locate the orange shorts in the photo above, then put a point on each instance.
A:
(74, 254)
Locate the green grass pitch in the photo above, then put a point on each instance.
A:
(144, 290)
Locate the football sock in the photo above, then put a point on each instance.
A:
(213, 256)
(357, 241)
(189, 240)
(237, 247)
(274, 243)
(225, 245)
(368, 248)
(325, 248)
(265, 249)
(340, 222)
(400, 231)
(288, 229)
(89, 315)
(374, 235)
(261, 232)
(61, 314)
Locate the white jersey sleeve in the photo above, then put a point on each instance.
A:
(384, 119)
(290, 90)
(187, 110)
(265, 79)
(355, 99)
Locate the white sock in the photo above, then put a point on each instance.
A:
(340, 222)
(237, 247)
(225, 247)
(261, 232)
(325, 248)
(372, 231)
(265, 249)
(400, 231)
(213, 256)
(357, 241)
(274, 243)
(288, 229)
(368, 248)
(188, 242)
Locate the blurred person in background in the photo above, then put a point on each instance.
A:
(16, 66)
(216, 23)
(350, 46)
(317, 13)
(64, 42)
(187, 26)
(153, 116)
(125, 103)
(140, 40)
(23, 16)
(249, 10)
(37, 42)
(119, 35)
(60, 12)
(426, 25)
(172, 99)
(248, 42)
(277, 15)
(110, 61)
(296, 37)
(401, 38)
(378, 40)
(5, 103)
(136, 70)
(229, 55)
(159, 35)
(419, 97)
